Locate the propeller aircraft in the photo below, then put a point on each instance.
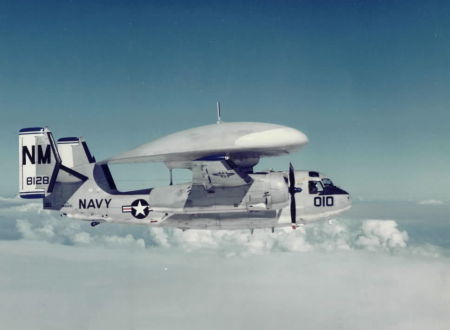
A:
(225, 192)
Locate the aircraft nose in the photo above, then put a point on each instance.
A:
(347, 199)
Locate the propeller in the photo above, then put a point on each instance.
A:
(292, 191)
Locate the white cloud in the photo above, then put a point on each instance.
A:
(33, 223)
(72, 234)
(381, 233)
(370, 235)
(350, 274)
(45, 285)
(431, 202)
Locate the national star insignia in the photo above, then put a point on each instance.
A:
(140, 209)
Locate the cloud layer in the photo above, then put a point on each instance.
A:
(350, 274)
(28, 221)
(33, 223)
(431, 202)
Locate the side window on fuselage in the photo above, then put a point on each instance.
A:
(315, 187)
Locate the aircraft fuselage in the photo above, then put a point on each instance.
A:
(263, 203)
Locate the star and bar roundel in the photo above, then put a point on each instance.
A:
(139, 208)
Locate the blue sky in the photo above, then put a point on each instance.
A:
(366, 81)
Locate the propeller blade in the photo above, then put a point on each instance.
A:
(293, 210)
(292, 193)
(291, 178)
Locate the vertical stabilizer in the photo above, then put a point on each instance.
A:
(38, 159)
(74, 152)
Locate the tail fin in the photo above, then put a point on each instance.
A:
(74, 152)
(75, 156)
(38, 161)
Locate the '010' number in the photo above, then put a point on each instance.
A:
(35, 180)
(323, 201)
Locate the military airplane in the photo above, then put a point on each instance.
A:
(225, 193)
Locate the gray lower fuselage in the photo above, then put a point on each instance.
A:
(262, 203)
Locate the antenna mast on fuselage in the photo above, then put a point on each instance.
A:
(219, 120)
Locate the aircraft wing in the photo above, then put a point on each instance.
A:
(212, 142)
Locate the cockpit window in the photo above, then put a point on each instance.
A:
(327, 182)
(315, 187)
